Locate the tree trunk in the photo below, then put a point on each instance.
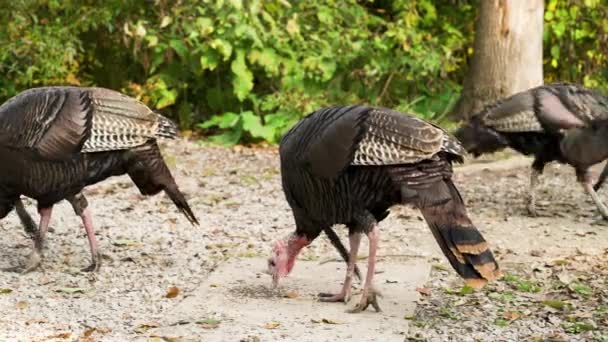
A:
(508, 56)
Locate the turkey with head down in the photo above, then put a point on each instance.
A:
(349, 165)
(55, 141)
(559, 122)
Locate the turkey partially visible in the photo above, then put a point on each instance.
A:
(55, 141)
(559, 122)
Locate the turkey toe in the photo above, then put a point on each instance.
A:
(34, 261)
(343, 296)
(95, 264)
(368, 299)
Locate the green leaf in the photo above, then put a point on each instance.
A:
(226, 120)
(228, 138)
(209, 323)
(267, 58)
(243, 80)
(205, 26)
(179, 47)
(556, 304)
(253, 124)
(555, 51)
(209, 60)
(223, 47)
(124, 242)
(465, 290)
(152, 40)
(580, 288)
(501, 322)
(166, 98)
(5, 291)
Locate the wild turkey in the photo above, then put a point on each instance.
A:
(348, 165)
(555, 122)
(55, 141)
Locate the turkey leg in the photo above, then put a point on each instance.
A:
(369, 295)
(344, 295)
(538, 165)
(39, 238)
(601, 178)
(534, 175)
(80, 205)
(26, 220)
(584, 177)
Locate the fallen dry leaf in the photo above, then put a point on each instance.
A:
(21, 304)
(511, 316)
(88, 332)
(172, 292)
(70, 290)
(5, 291)
(214, 285)
(424, 291)
(44, 280)
(209, 323)
(165, 338)
(292, 294)
(272, 325)
(124, 243)
(325, 321)
(145, 326)
(63, 335)
(36, 321)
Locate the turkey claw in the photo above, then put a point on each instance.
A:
(366, 300)
(532, 210)
(333, 298)
(33, 262)
(95, 264)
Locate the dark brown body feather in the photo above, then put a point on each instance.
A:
(55, 141)
(349, 165)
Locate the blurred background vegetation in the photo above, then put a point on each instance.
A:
(246, 70)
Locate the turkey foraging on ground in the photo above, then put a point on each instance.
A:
(54, 141)
(559, 122)
(349, 165)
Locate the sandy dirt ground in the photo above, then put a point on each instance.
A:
(149, 248)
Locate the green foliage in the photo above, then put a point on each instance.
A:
(246, 71)
(575, 36)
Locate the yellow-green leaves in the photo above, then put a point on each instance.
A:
(243, 78)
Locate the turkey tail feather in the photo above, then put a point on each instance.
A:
(181, 203)
(149, 172)
(460, 241)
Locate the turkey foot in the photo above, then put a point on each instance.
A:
(95, 263)
(531, 207)
(354, 240)
(369, 295)
(367, 298)
(585, 178)
(34, 261)
(39, 237)
(80, 205)
(343, 296)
